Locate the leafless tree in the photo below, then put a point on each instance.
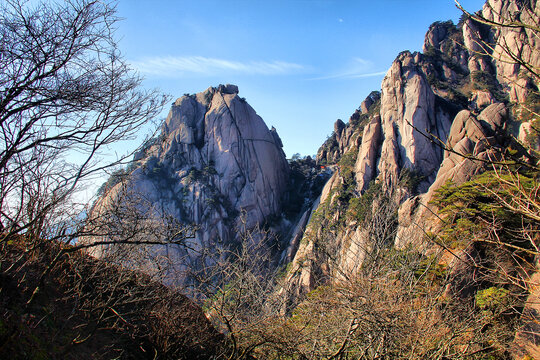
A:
(236, 287)
(66, 95)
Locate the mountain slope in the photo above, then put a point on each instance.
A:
(423, 243)
(426, 102)
(89, 309)
(444, 116)
(215, 166)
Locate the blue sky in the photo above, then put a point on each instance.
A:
(301, 64)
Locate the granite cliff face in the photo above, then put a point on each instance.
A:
(519, 40)
(440, 116)
(215, 164)
(404, 144)
(470, 134)
(408, 112)
(346, 136)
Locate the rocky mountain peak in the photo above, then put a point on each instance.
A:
(228, 89)
(339, 126)
(348, 135)
(453, 96)
(215, 164)
(369, 101)
(437, 33)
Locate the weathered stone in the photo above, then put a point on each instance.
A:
(339, 126)
(216, 160)
(473, 39)
(481, 99)
(409, 115)
(514, 42)
(366, 162)
(468, 137)
(528, 135)
(437, 32)
(371, 99)
(228, 89)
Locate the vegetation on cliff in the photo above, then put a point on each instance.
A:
(466, 287)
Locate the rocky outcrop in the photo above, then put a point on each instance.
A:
(438, 35)
(348, 136)
(451, 97)
(512, 43)
(470, 138)
(528, 135)
(372, 99)
(366, 162)
(338, 143)
(408, 113)
(216, 165)
(481, 99)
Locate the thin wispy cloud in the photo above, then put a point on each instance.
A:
(357, 68)
(199, 65)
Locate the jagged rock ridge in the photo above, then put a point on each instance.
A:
(454, 94)
(215, 164)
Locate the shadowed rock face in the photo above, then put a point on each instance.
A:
(214, 162)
